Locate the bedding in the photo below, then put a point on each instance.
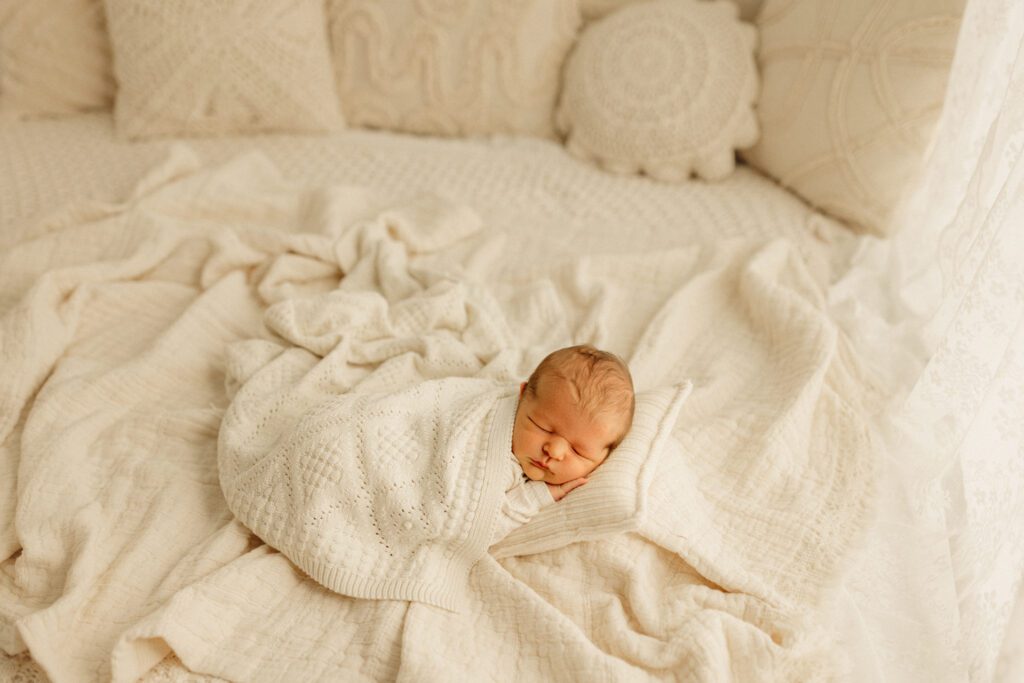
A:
(663, 88)
(199, 68)
(118, 311)
(388, 494)
(152, 560)
(451, 68)
(54, 58)
(548, 204)
(851, 92)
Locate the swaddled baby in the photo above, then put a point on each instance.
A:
(574, 410)
(396, 494)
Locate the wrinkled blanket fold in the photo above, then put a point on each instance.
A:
(128, 329)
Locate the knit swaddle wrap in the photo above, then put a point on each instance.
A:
(384, 495)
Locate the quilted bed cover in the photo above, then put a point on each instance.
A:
(127, 270)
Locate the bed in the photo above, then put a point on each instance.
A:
(765, 538)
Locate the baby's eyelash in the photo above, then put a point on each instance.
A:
(548, 431)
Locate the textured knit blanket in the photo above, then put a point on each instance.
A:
(387, 495)
(128, 328)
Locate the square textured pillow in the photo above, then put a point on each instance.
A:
(54, 58)
(472, 67)
(197, 67)
(614, 499)
(851, 92)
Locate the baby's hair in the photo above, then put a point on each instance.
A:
(599, 380)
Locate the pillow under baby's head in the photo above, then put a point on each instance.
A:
(576, 407)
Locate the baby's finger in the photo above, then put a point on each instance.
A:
(570, 485)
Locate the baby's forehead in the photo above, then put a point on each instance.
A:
(612, 420)
(595, 405)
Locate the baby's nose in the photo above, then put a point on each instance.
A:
(555, 449)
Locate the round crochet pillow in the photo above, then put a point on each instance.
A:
(665, 88)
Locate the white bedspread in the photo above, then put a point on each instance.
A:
(119, 546)
(549, 203)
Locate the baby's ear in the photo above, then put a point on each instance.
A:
(522, 389)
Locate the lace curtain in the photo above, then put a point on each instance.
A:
(941, 307)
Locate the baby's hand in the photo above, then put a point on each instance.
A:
(558, 491)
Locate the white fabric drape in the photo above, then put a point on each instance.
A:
(940, 308)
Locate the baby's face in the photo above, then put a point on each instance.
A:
(554, 441)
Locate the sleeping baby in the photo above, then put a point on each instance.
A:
(573, 411)
(396, 494)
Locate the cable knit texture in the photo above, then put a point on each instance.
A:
(664, 88)
(192, 67)
(54, 58)
(390, 495)
(851, 93)
(438, 67)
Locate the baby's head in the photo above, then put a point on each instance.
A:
(573, 411)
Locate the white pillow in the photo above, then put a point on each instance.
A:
(54, 58)
(471, 67)
(198, 67)
(851, 92)
(614, 499)
(665, 88)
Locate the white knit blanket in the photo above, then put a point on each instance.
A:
(128, 327)
(385, 495)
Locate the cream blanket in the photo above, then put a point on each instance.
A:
(385, 495)
(117, 545)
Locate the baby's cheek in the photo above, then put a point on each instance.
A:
(517, 439)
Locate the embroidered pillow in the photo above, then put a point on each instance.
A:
(472, 67)
(851, 92)
(664, 88)
(54, 58)
(196, 67)
(614, 499)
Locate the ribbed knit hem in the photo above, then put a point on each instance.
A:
(499, 443)
(448, 595)
(540, 493)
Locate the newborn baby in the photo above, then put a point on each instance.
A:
(395, 494)
(576, 407)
